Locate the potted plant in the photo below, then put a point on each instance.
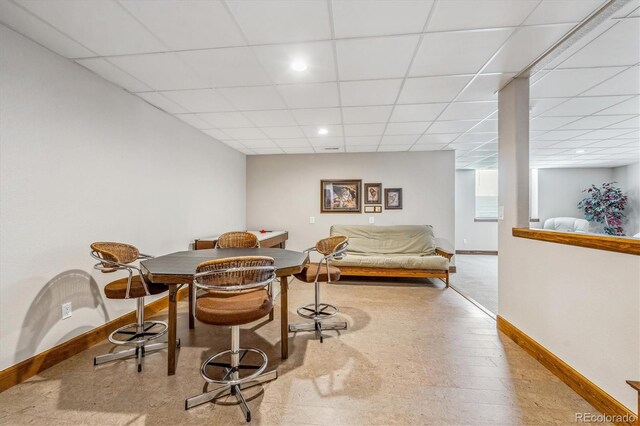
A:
(605, 204)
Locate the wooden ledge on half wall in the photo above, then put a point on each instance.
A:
(625, 245)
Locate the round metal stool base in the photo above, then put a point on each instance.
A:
(132, 334)
(324, 311)
(228, 371)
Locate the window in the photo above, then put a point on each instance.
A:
(486, 194)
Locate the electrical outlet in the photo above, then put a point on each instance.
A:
(372, 219)
(464, 240)
(312, 219)
(501, 213)
(66, 310)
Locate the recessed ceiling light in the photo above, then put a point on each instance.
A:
(299, 66)
(323, 131)
(581, 151)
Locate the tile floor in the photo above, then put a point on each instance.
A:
(413, 354)
(477, 277)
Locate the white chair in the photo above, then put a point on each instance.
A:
(566, 224)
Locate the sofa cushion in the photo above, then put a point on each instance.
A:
(433, 262)
(416, 240)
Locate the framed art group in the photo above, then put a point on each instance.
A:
(349, 195)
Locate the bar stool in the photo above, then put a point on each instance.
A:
(237, 240)
(238, 292)
(333, 248)
(114, 257)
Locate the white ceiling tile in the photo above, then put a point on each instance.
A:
(394, 148)
(268, 151)
(443, 138)
(362, 148)
(630, 106)
(381, 57)
(566, 83)
(439, 53)
(412, 128)
(633, 122)
(233, 144)
(608, 143)
(187, 24)
(247, 151)
(598, 121)
(199, 100)
(487, 126)
(226, 119)
(550, 123)
(219, 134)
(469, 110)
(364, 129)
(234, 66)
(161, 71)
(30, 26)
(246, 133)
(363, 115)
(484, 87)
(253, 98)
(603, 134)
(277, 59)
(110, 72)
(292, 143)
(560, 135)
(278, 21)
(568, 145)
(451, 126)
(556, 12)
(193, 120)
(468, 138)
(584, 105)
(625, 83)
(398, 139)
(527, 44)
(362, 140)
(539, 106)
(310, 95)
(623, 35)
(374, 92)
(307, 150)
(417, 112)
(94, 24)
(312, 131)
(469, 14)
(327, 141)
(162, 102)
(283, 132)
(432, 89)
(271, 118)
(317, 116)
(379, 17)
(428, 147)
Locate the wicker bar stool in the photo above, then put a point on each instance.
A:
(237, 240)
(238, 292)
(331, 248)
(114, 257)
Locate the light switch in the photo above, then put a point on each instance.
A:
(312, 219)
(501, 213)
(372, 219)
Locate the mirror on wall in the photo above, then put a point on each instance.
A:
(585, 132)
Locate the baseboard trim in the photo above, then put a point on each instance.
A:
(23, 370)
(593, 394)
(484, 252)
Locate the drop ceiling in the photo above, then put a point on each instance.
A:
(382, 75)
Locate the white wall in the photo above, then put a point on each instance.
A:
(82, 160)
(283, 191)
(628, 178)
(560, 190)
(479, 235)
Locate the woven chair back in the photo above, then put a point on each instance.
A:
(115, 252)
(218, 273)
(330, 245)
(238, 240)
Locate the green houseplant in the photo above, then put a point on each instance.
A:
(605, 204)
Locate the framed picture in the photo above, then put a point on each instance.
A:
(341, 196)
(373, 193)
(393, 198)
(377, 209)
(373, 209)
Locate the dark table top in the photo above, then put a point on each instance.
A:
(179, 267)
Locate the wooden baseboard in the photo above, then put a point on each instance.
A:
(484, 252)
(22, 371)
(593, 394)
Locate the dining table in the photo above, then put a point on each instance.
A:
(177, 269)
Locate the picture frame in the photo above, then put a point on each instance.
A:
(393, 198)
(341, 196)
(372, 193)
(373, 209)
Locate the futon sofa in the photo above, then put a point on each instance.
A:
(392, 251)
